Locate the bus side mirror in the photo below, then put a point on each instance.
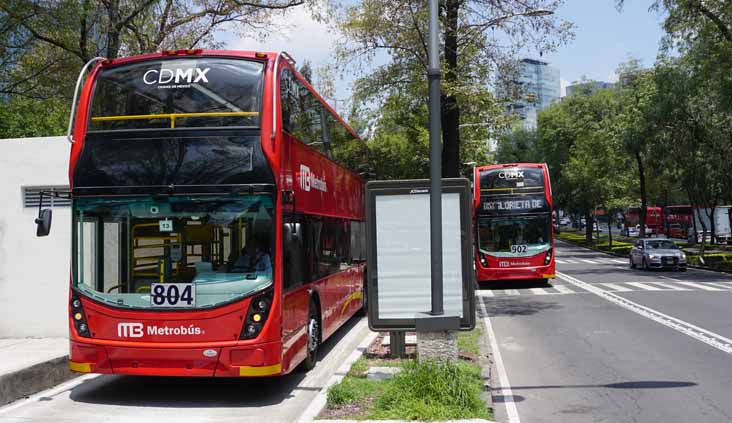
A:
(44, 222)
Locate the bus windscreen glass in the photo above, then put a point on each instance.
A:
(178, 93)
(216, 249)
(514, 236)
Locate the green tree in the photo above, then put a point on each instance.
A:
(519, 146)
(469, 54)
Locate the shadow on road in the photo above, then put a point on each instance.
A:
(181, 392)
(517, 306)
(640, 384)
(516, 284)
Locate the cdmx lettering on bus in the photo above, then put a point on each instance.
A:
(165, 76)
(511, 174)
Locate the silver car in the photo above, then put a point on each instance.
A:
(657, 254)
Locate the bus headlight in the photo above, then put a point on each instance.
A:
(79, 317)
(482, 259)
(256, 315)
(548, 257)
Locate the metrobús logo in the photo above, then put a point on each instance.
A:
(511, 174)
(309, 181)
(170, 77)
(138, 330)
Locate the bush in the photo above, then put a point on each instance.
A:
(431, 391)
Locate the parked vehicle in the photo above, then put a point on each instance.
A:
(657, 254)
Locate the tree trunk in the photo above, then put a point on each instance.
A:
(644, 199)
(113, 33)
(450, 110)
(610, 231)
(588, 226)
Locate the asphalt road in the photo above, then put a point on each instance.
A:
(148, 399)
(606, 343)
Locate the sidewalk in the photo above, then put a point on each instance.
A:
(30, 365)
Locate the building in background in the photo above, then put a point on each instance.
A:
(538, 87)
(588, 87)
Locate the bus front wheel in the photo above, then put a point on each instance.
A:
(313, 342)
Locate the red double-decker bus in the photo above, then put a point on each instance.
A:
(218, 218)
(654, 219)
(678, 220)
(515, 237)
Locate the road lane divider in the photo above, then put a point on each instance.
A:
(506, 392)
(710, 338)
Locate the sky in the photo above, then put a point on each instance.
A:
(604, 38)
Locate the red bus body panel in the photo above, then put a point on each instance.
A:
(215, 348)
(512, 268)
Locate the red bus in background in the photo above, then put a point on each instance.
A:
(218, 222)
(513, 221)
(654, 219)
(678, 220)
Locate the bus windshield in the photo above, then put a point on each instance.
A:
(178, 93)
(220, 246)
(514, 235)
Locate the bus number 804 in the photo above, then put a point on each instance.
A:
(172, 295)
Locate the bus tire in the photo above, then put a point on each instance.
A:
(313, 340)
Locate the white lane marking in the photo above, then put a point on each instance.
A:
(643, 286)
(721, 285)
(620, 261)
(540, 291)
(669, 286)
(559, 261)
(49, 393)
(588, 261)
(506, 392)
(563, 289)
(606, 261)
(485, 293)
(511, 292)
(616, 287)
(699, 286)
(568, 261)
(710, 338)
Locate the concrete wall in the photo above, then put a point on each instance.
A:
(34, 272)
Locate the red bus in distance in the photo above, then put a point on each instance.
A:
(514, 232)
(218, 222)
(678, 220)
(654, 219)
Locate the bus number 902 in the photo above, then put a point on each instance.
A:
(172, 295)
(518, 248)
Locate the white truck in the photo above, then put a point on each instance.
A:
(722, 227)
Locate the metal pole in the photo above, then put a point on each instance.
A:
(433, 77)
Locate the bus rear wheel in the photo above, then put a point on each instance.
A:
(313, 342)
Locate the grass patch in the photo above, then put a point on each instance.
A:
(469, 341)
(429, 391)
(421, 391)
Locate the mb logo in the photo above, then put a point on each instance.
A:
(304, 178)
(129, 330)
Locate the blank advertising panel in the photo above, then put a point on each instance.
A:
(399, 253)
(403, 254)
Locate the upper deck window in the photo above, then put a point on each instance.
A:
(512, 180)
(178, 93)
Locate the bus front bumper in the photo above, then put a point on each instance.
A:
(484, 274)
(256, 360)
